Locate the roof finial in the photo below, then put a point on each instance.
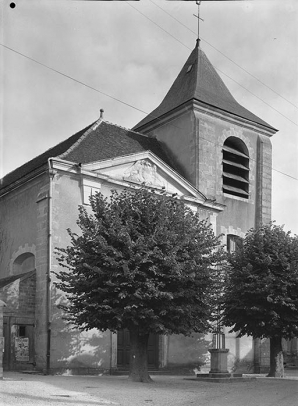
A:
(101, 113)
(198, 17)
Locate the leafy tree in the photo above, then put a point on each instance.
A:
(261, 294)
(143, 261)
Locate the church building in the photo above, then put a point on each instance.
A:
(199, 143)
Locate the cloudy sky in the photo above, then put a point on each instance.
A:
(133, 51)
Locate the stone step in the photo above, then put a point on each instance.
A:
(159, 372)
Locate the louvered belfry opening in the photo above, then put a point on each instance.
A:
(235, 168)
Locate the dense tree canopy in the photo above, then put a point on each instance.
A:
(143, 261)
(261, 294)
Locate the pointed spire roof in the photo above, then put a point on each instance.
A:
(198, 80)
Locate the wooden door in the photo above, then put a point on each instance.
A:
(19, 353)
(123, 350)
(23, 347)
(153, 351)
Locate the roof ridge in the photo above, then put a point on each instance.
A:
(81, 138)
(94, 127)
(93, 142)
(128, 129)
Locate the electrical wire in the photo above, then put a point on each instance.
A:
(118, 100)
(71, 78)
(231, 60)
(287, 118)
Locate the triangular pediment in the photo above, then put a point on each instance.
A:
(146, 168)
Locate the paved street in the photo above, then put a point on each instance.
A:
(37, 390)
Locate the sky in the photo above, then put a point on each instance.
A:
(133, 51)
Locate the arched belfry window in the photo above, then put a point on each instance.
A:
(235, 168)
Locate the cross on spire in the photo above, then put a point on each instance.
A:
(199, 18)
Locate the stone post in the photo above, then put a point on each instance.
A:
(2, 305)
(219, 357)
(219, 363)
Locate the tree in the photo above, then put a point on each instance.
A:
(261, 294)
(143, 261)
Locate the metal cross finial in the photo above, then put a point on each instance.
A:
(199, 18)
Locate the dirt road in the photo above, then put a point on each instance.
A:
(37, 390)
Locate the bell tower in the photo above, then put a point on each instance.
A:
(222, 148)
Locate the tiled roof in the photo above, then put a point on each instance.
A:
(198, 80)
(40, 160)
(109, 141)
(100, 140)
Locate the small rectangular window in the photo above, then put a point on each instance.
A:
(234, 242)
(90, 188)
(22, 331)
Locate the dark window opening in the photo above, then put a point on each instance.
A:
(234, 242)
(235, 168)
(22, 331)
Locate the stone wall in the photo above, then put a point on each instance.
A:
(27, 293)
(188, 352)
(71, 351)
(19, 296)
(2, 305)
(21, 221)
(195, 136)
(264, 180)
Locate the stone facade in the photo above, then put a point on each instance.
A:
(199, 153)
(194, 134)
(179, 149)
(32, 318)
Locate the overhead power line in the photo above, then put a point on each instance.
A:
(115, 98)
(71, 78)
(231, 60)
(219, 70)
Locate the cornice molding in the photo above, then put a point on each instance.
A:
(203, 108)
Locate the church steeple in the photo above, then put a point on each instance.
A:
(199, 81)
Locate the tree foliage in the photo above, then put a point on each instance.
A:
(261, 294)
(142, 261)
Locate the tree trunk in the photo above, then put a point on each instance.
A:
(276, 358)
(138, 368)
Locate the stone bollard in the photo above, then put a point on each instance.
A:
(2, 305)
(219, 364)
